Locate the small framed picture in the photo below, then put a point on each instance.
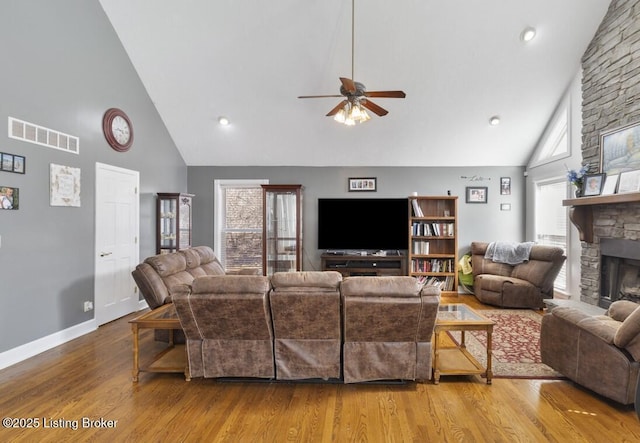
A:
(629, 181)
(7, 162)
(505, 206)
(610, 184)
(9, 197)
(362, 184)
(476, 194)
(19, 164)
(505, 185)
(593, 184)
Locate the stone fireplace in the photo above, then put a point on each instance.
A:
(610, 261)
(619, 270)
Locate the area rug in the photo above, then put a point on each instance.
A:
(516, 345)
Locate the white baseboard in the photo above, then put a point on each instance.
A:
(28, 350)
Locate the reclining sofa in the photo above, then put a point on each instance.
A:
(294, 325)
(523, 285)
(308, 325)
(157, 274)
(599, 352)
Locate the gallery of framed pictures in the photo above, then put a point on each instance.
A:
(12, 163)
(619, 162)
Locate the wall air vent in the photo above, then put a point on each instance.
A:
(39, 135)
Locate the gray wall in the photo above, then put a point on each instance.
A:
(476, 221)
(63, 67)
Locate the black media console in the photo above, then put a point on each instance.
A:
(354, 265)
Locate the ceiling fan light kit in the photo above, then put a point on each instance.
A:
(352, 110)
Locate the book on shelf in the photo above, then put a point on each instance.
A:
(417, 210)
(420, 247)
(432, 265)
(445, 284)
(423, 229)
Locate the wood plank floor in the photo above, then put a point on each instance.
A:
(90, 379)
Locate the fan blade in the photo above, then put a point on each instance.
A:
(388, 94)
(319, 96)
(335, 110)
(348, 84)
(374, 108)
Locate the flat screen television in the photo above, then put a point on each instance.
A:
(363, 224)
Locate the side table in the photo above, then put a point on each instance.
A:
(173, 357)
(457, 360)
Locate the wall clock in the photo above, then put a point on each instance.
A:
(117, 129)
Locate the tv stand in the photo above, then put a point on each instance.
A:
(364, 265)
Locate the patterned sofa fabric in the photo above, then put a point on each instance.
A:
(306, 321)
(599, 352)
(387, 325)
(296, 325)
(157, 274)
(524, 285)
(227, 321)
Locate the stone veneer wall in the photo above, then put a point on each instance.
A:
(610, 99)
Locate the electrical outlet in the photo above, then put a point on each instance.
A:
(88, 306)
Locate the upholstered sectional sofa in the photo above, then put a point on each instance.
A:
(294, 325)
(523, 285)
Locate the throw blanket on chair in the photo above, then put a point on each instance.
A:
(512, 253)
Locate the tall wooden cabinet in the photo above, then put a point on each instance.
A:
(282, 228)
(174, 213)
(433, 241)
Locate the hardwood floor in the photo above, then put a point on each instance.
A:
(90, 378)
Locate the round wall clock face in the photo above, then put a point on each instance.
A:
(117, 129)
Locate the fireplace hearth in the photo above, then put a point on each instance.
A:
(620, 271)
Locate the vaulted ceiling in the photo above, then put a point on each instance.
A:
(459, 62)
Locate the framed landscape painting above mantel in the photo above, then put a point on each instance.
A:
(620, 149)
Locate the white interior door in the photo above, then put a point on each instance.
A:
(117, 251)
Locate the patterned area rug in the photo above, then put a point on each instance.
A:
(516, 345)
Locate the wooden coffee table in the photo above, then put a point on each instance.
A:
(456, 360)
(173, 357)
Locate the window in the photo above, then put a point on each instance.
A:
(551, 221)
(555, 144)
(238, 223)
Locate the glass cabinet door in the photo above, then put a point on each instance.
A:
(173, 222)
(282, 231)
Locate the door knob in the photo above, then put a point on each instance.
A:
(104, 254)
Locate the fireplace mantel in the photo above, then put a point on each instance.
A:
(581, 212)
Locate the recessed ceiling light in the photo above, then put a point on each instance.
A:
(224, 121)
(528, 34)
(494, 121)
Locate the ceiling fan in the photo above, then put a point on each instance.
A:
(356, 97)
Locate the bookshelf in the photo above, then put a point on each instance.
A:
(433, 241)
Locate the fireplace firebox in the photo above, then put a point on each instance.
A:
(620, 271)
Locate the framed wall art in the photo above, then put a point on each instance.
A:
(505, 185)
(9, 198)
(476, 194)
(7, 162)
(620, 149)
(12, 163)
(363, 184)
(64, 186)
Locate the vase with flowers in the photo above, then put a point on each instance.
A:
(576, 178)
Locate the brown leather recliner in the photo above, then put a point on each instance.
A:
(524, 285)
(599, 352)
(305, 307)
(227, 321)
(388, 324)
